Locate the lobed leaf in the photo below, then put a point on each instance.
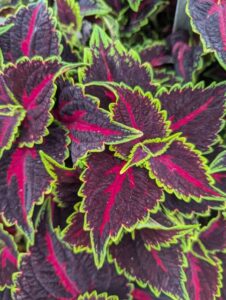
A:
(193, 109)
(113, 201)
(33, 33)
(90, 127)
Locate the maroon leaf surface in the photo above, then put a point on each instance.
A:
(23, 178)
(11, 117)
(139, 110)
(69, 13)
(156, 54)
(213, 237)
(192, 110)
(160, 236)
(113, 200)
(52, 271)
(222, 257)
(67, 181)
(74, 234)
(208, 19)
(182, 170)
(140, 18)
(189, 209)
(90, 127)
(8, 259)
(161, 270)
(110, 61)
(203, 279)
(33, 34)
(30, 83)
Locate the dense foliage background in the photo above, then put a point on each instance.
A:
(112, 150)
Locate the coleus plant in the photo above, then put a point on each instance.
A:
(112, 151)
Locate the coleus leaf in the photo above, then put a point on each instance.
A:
(74, 233)
(193, 109)
(187, 60)
(105, 93)
(69, 13)
(143, 151)
(218, 171)
(95, 296)
(183, 171)
(203, 278)
(93, 7)
(30, 84)
(222, 257)
(207, 19)
(156, 53)
(141, 294)
(70, 20)
(141, 111)
(52, 271)
(159, 236)
(8, 258)
(33, 34)
(11, 117)
(189, 209)
(138, 19)
(110, 61)
(90, 126)
(23, 178)
(160, 270)
(213, 236)
(5, 294)
(113, 201)
(67, 182)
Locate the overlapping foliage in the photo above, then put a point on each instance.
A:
(112, 150)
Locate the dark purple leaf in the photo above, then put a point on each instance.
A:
(207, 19)
(93, 7)
(68, 13)
(111, 62)
(5, 294)
(213, 237)
(146, 294)
(70, 20)
(52, 271)
(30, 83)
(74, 234)
(11, 117)
(189, 209)
(103, 92)
(161, 270)
(222, 257)
(33, 34)
(90, 127)
(95, 296)
(67, 181)
(192, 110)
(140, 18)
(161, 237)
(182, 170)
(23, 178)
(203, 279)
(113, 200)
(156, 53)
(141, 111)
(8, 259)
(187, 60)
